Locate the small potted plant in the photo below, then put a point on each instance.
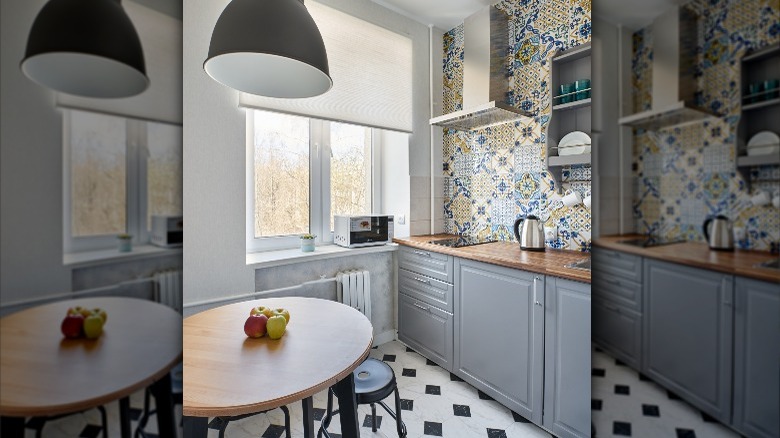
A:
(307, 242)
(125, 242)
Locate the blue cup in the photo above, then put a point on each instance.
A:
(753, 89)
(772, 84)
(582, 87)
(566, 89)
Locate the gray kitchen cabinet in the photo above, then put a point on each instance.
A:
(427, 329)
(617, 304)
(567, 358)
(499, 334)
(687, 334)
(425, 303)
(756, 358)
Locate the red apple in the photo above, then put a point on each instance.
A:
(72, 325)
(254, 327)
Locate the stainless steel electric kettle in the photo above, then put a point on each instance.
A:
(718, 233)
(531, 237)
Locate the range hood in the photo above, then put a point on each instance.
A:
(485, 81)
(673, 88)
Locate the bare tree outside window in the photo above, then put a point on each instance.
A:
(164, 170)
(281, 174)
(350, 170)
(98, 174)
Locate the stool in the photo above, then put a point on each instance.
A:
(177, 384)
(374, 381)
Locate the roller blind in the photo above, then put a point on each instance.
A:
(371, 69)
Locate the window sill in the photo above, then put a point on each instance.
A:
(105, 256)
(269, 259)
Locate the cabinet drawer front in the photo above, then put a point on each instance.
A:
(618, 263)
(618, 330)
(426, 329)
(432, 264)
(426, 289)
(625, 292)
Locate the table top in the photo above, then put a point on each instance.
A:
(43, 373)
(226, 373)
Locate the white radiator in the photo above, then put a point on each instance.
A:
(353, 288)
(167, 289)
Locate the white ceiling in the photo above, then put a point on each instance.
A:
(444, 14)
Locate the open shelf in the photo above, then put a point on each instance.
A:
(758, 160)
(572, 105)
(569, 160)
(573, 54)
(762, 104)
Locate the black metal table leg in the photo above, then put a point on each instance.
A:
(196, 427)
(12, 427)
(124, 417)
(308, 417)
(163, 399)
(345, 392)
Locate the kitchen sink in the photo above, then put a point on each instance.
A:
(769, 264)
(583, 264)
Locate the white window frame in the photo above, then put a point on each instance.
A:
(136, 187)
(319, 186)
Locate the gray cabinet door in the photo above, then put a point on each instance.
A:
(757, 358)
(567, 358)
(499, 338)
(618, 330)
(687, 334)
(426, 329)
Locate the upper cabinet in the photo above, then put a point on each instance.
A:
(571, 110)
(760, 97)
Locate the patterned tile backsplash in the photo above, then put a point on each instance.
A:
(685, 174)
(496, 175)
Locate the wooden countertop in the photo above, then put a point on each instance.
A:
(550, 262)
(698, 255)
(45, 374)
(227, 374)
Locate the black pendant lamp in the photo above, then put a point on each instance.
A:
(87, 48)
(269, 48)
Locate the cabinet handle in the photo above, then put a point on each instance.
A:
(427, 309)
(423, 280)
(536, 299)
(422, 253)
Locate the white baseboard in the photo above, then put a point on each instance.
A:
(384, 337)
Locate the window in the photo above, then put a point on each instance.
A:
(300, 173)
(118, 173)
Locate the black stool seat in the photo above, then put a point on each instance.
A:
(374, 381)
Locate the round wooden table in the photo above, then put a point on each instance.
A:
(44, 374)
(227, 374)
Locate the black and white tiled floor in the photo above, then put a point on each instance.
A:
(88, 424)
(625, 403)
(434, 403)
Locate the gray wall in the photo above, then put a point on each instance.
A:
(31, 156)
(383, 284)
(215, 153)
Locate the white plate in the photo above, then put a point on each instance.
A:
(764, 138)
(575, 138)
(574, 150)
(761, 150)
